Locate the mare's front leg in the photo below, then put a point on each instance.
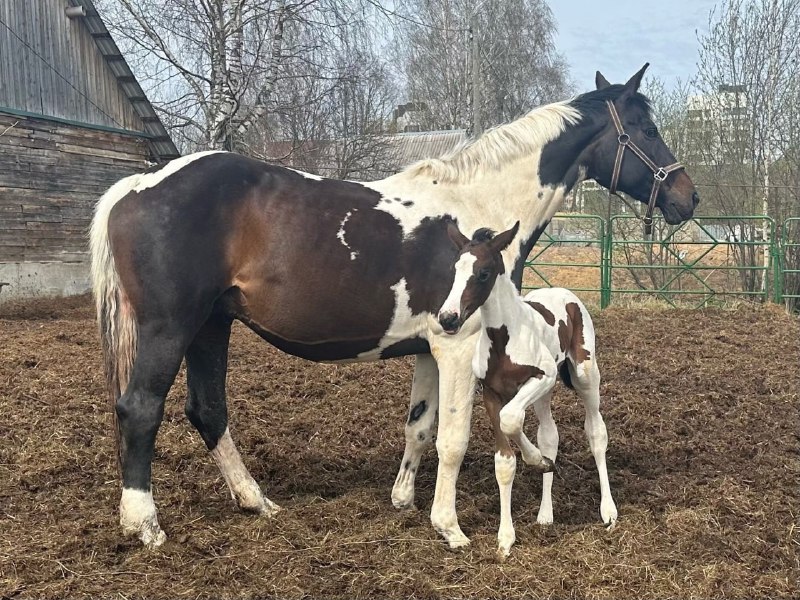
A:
(456, 392)
(419, 427)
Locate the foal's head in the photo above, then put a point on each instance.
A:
(478, 265)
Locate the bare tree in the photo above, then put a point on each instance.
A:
(519, 67)
(746, 121)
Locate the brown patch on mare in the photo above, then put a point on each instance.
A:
(549, 317)
(577, 342)
(503, 376)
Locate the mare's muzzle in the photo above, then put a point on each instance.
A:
(450, 322)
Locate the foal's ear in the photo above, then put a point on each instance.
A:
(502, 240)
(635, 81)
(454, 233)
(600, 81)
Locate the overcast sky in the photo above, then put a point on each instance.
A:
(617, 37)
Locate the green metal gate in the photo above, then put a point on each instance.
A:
(787, 272)
(704, 261)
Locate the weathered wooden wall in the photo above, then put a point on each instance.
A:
(51, 175)
(32, 83)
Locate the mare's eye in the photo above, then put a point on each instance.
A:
(483, 275)
(651, 132)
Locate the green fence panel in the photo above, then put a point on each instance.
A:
(704, 260)
(787, 273)
(583, 231)
(700, 261)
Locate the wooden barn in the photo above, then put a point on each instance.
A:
(73, 120)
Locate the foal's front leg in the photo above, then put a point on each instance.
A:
(505, 467)
(419, 427)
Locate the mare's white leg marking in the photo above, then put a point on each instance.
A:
(137, 515)
(419, 430)
(504, 469)
(547, 439)
(244, 489)
(340, 235)
(456, 393)
(588, 388)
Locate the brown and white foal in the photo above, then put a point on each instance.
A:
(524, 344)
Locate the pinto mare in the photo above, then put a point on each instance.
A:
(523, 345)
(182, 250)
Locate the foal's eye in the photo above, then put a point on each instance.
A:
(651, 132)
(483, 275)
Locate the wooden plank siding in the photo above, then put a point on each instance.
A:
(51, 175)
(65, 48)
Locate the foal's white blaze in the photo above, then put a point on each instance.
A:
(463, 272)
(137, 515)
(244, 489)
(340, 235)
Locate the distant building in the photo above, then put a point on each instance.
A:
(718, 126)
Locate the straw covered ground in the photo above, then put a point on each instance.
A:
(702, 410)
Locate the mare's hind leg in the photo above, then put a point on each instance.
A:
(586, 381)
(206, 408)
(419, 427)
(139, 412)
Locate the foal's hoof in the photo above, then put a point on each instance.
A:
(547, 466)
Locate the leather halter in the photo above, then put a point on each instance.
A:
(659, 173)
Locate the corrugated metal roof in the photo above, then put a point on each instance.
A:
(406, 148)
(161, 144)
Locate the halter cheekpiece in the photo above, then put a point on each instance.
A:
(659, 173)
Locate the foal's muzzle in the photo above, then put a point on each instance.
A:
(450, 322)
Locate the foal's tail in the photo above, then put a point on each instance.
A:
(115, 317)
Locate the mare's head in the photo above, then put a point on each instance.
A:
(477, 267)
(675, 194)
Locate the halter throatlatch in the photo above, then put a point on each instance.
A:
(659, 173)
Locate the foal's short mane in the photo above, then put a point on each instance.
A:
(500, 145)
(484, 234)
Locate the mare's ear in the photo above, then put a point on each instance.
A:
(501, 241)
(599, 81)
(635, 81)
(454, 233)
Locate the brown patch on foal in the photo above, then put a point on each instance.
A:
(549, 317)
(502, 375)
(579, 352)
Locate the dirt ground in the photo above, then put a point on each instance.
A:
(702, 411)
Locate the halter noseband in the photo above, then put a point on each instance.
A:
(659, 173)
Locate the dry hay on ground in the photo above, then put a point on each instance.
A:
(702, 410)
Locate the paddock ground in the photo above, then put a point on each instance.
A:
(702, 410)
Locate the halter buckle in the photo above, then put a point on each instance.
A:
(647, 220)
(661, 174)
(623, 139)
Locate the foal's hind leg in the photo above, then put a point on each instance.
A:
(419, 427)
(586, 381)
(206, 408)
(139, 412)
(547, 438)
